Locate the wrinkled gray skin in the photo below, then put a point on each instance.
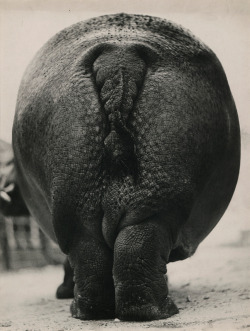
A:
(127, 148)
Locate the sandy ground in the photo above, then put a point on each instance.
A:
(211, 289)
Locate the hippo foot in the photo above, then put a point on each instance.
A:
(94, 293)
(80, 309)
(66, 289)
(141, 289)
(65, 292)
(147, 312)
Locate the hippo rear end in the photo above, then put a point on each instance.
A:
(127, 148)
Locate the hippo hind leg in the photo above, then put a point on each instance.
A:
(66, 289)
(140, 256)
(94, 295)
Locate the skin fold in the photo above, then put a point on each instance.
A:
(127, 148)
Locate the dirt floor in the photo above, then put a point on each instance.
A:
(211, 289)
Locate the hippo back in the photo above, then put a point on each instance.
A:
(120, 118)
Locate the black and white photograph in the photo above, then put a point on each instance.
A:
(124, 165)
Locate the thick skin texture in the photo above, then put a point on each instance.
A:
(127, 148)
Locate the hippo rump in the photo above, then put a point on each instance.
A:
(127, 150)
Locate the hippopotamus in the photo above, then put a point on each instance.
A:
(127, 150)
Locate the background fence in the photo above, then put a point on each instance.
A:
(23, 244)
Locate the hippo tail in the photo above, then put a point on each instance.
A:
(119, 73)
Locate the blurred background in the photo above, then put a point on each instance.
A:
(27, 25)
